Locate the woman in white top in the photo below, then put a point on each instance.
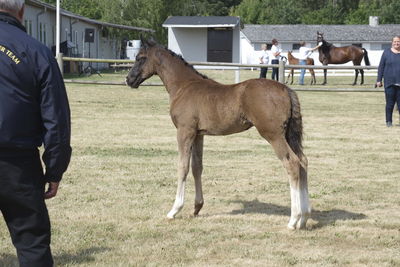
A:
(304, 53)
(276, 54)
(264, 59)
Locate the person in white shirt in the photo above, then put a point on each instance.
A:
(276, 54)
(304, 53)
(264, 59)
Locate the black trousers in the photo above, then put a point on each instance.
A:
(263, 72)
(275, 71)
(23, 207)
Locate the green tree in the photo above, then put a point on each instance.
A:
(328, 15)
(268, 11)
(390, 13)
(249, 11)
(362, 13)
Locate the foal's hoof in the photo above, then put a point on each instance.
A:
(171, 215)
(299, 222)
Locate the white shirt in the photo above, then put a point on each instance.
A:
(264, 57)
(275, 49)
(304, 53)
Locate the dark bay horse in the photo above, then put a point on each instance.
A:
(330, 54)
(295, 61)
(201, 106)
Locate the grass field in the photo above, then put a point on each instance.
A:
(112, 203)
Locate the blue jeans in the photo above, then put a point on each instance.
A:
(392, 95)
(302, 71)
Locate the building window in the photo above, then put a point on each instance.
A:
(357, 44)
(258, 46)
(386, 46)
(41, 32)
(28, 26)
(296, 46)
(76, 38)
(53, 35)
(44, 34)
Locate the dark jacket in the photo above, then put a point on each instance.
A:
(389, 68)
(34, 107)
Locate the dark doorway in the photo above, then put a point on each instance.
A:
(219, 45)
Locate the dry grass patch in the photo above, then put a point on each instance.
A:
(112, 204)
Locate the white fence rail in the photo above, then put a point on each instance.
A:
(342, 69)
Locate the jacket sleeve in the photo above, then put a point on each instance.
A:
(381, 67)
(56, 120)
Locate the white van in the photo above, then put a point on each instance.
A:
(132, 49)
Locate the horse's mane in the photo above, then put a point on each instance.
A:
(172, 53)
(327, 44)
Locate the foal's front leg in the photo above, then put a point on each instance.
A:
(185, 141)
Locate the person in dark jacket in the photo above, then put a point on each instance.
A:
(34, 110)
(389, 70)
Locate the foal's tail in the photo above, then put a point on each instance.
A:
(366, 59)
(294, 128)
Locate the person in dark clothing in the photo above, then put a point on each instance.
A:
(34, 110)
(389, 70)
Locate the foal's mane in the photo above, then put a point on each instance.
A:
(172, 53)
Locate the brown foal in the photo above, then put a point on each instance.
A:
(201, 106)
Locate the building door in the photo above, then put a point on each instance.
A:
(219, 45)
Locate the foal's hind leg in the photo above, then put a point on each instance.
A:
(197, 169)
(297, 170)
(185, 141)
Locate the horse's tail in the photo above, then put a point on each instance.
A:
(294, 127)
(366, 59)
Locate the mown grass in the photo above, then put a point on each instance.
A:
(112, 204)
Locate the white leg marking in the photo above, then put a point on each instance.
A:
(179, 201)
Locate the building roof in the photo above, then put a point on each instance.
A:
(201, 21)
(332, 33)
(85, 19)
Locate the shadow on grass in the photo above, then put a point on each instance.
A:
(83, 256)
(323, 218)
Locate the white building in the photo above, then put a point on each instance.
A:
(80, 36)
(205, 39)
(374, 37)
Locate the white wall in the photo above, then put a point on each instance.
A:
(236, 51)
(250, 56)
(191, 43)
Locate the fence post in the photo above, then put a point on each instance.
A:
(60, 63)
(281, 71)
(237, 75)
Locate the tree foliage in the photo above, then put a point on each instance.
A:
(152, 13)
